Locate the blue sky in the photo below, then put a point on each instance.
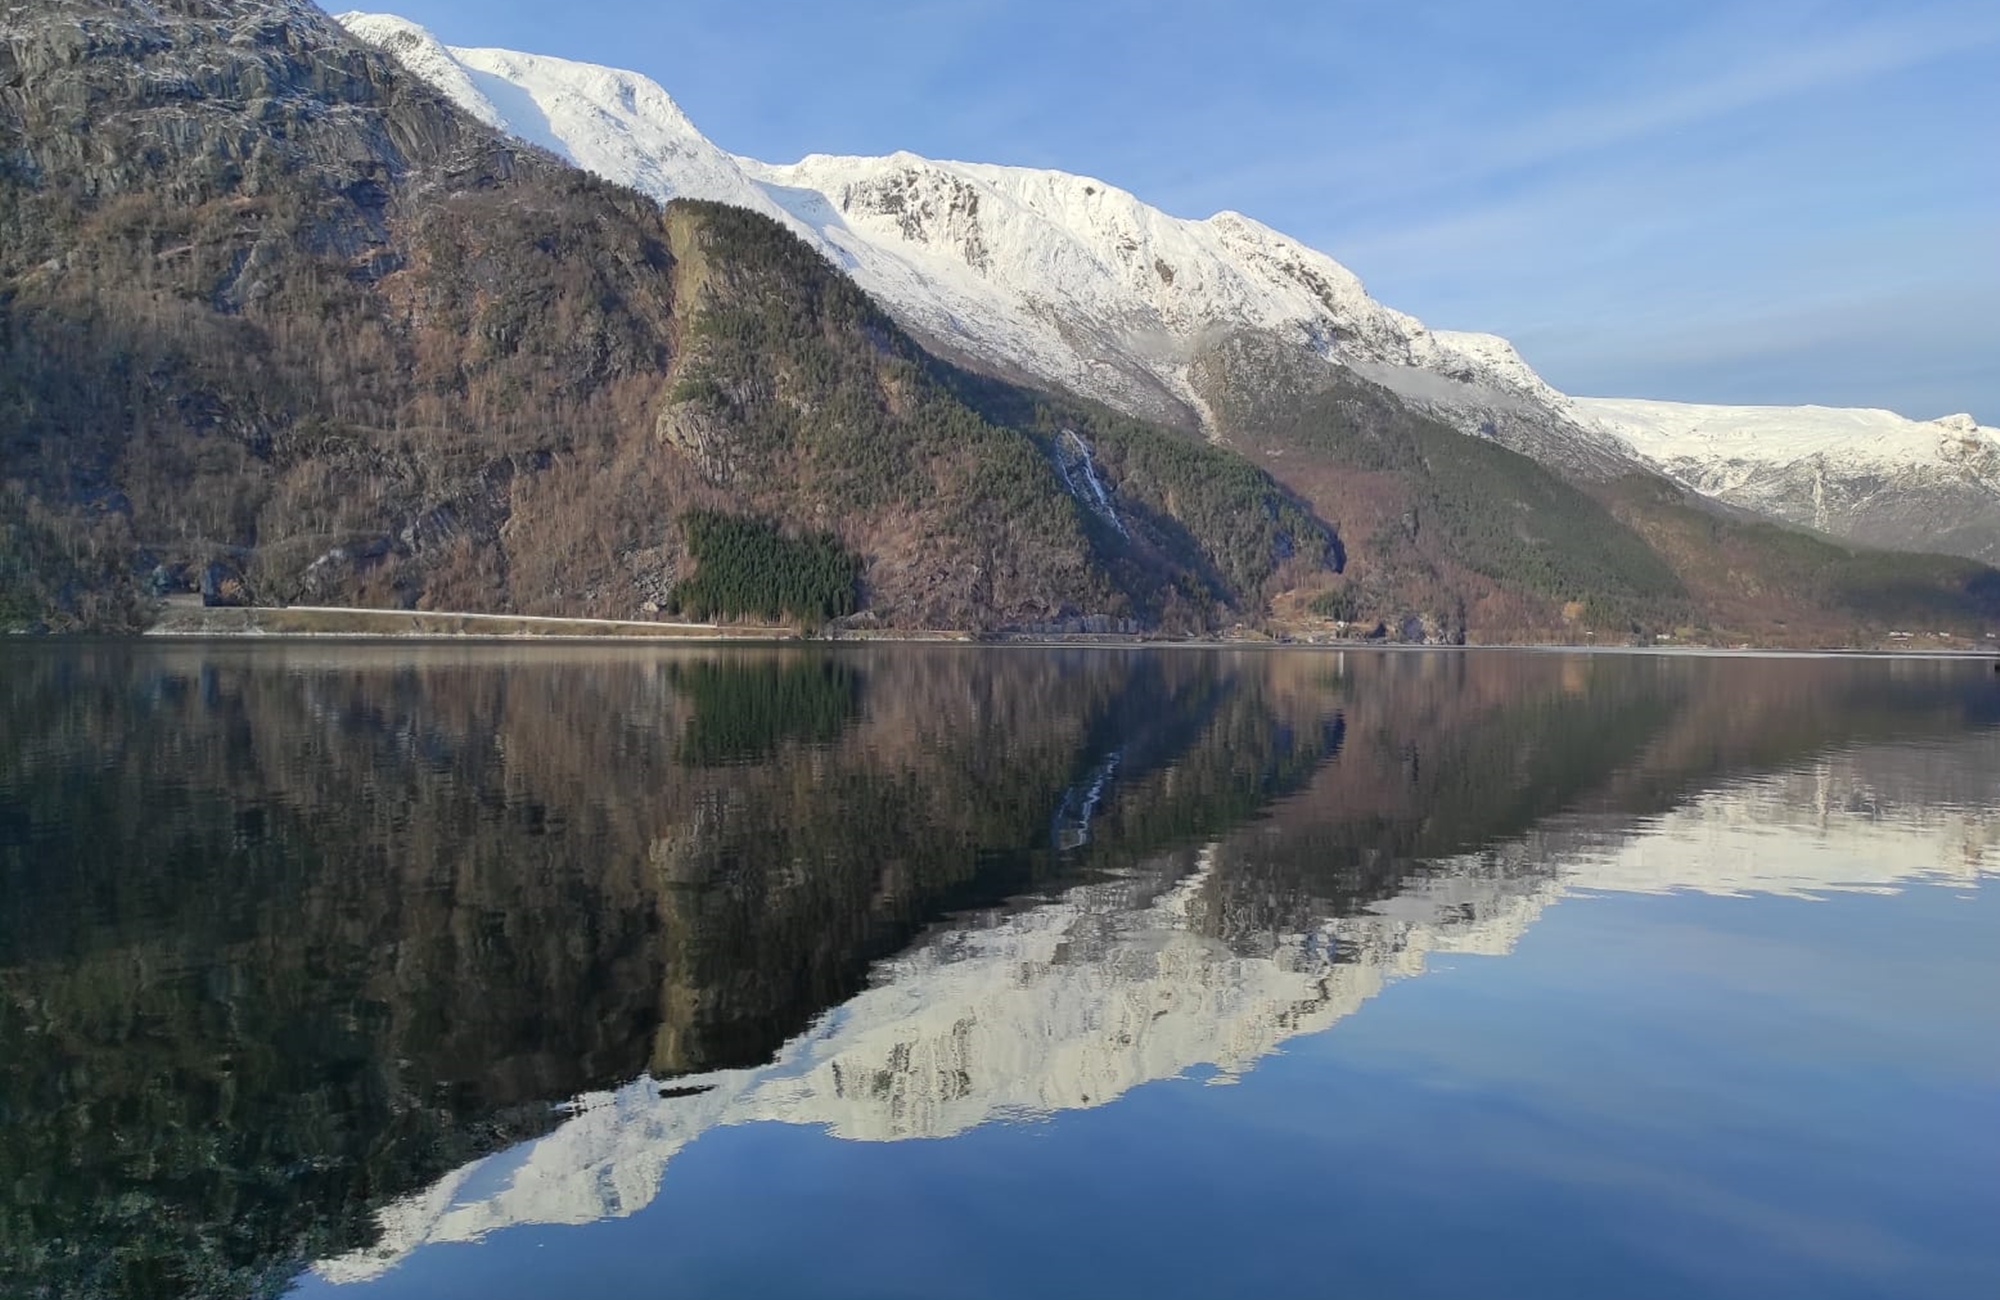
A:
(1780, 201)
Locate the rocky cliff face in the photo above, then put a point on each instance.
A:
(266, 304)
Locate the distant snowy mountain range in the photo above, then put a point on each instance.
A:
(1066, 281)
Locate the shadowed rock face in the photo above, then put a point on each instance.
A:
(293, 932)
(189, 103)
(238, 296)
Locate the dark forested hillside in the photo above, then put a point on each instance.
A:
(795, 395)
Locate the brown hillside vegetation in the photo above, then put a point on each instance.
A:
(1468, 534)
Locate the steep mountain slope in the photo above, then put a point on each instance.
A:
(1437, 523)
(1455, 531)
(1109, 297)
(1872, 476)
(276, 316)
(1069, 282)
(617, 124)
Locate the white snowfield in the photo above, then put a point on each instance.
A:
(1674, 430)
(1073, 1003)
(1067, 281)
(1747, 436)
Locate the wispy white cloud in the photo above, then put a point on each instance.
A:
(1458, 140)
(1793, 225)
(1773, 73)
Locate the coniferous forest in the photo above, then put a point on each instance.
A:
(746, 568)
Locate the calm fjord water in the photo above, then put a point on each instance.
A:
(373, 971)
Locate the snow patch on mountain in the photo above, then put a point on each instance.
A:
(617, 124)
(423, 54)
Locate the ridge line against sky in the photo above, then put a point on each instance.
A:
(1786, 203)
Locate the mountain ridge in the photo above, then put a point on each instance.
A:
(1116, 316)
(1870, 475)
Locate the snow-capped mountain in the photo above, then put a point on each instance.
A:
(1102, 294)
(1873, 476)
(1066, 281)
(1056, 279)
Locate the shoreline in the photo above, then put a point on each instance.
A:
(322, 624)
(795, 642)
(330, 622)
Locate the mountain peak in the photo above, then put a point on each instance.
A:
(425, 55)
(621, 125)
(1964, 426)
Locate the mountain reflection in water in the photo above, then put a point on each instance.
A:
(302, 944)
